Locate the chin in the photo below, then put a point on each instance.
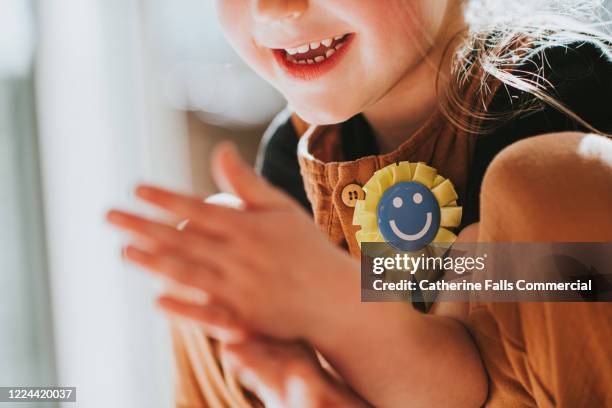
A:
(324, 113)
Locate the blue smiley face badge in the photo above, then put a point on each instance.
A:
(408, 216)
(408, 206)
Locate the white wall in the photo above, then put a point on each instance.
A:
(101, 131)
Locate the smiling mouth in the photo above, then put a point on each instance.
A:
(412, 237)
(311, 60)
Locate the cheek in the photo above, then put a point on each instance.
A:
(398, 39)
(234, 18)
(402, 32)
(237, 23)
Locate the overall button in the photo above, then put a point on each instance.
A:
(351, 193)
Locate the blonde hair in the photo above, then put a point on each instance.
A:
(501, 36)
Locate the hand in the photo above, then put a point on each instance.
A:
(286, 374)
(266, 267)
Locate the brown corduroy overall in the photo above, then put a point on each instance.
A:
(541, 189)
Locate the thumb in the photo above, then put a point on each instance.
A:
(234, 176)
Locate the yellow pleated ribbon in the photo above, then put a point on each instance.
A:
(442, 189)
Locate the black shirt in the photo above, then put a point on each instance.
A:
(579, 76)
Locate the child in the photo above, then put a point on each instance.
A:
(371, 84)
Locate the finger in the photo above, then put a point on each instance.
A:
(261, 379)
(234, 176)
(263, 352)
(264, 366)
(218, 321)
(178, 269)
(239, 362)
(247, 354)
(196, 246)
(212, 218)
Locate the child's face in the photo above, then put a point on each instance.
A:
(358, 49)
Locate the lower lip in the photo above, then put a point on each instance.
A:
(309, 72)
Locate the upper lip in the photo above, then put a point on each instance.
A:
(296, 44)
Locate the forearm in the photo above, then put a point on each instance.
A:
(392, 355)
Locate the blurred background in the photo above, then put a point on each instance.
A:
(95, 96)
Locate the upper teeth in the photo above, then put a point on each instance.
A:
(312, 46)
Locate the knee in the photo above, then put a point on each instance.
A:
(555, 187)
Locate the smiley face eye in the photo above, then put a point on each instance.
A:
(417, 198)
(398, 202)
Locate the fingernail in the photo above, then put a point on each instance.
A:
(229, 149)
(114, 216)
(162, 301)
(133, 252)
(144, 191)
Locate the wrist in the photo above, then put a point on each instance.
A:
(343, 319)
(335, 308)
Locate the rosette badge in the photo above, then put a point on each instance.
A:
(409, 206)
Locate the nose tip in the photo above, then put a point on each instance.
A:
(270, 10)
